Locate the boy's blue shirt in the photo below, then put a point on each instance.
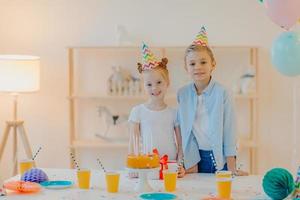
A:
(222, 128)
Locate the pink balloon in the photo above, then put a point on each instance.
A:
(284, 13)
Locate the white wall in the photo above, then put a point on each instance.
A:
(46, 27)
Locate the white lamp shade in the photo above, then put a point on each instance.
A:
(19, 73)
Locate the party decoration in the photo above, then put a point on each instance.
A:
(35, 175)
(284, 13)
(155, 151)
(286, 53)
(296, 194)
(149, 60)
(278, 183)
(22, 186)
(201, 38)
(163, 165)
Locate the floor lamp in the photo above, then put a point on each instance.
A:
(18, 74)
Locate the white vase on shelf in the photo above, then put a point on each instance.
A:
(246, 83)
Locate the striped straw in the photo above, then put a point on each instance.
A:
(75, 162)
(100, 163)
(33, 158)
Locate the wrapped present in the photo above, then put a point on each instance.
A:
(163, 165)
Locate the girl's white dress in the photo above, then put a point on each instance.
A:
(157, 129)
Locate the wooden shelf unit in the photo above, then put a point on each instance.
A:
(75, 143)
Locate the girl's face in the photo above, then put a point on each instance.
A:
(155, 84)
(199, 65)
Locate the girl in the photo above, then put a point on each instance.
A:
(206, 114)
(153, 120)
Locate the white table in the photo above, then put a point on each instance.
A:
(191, 187)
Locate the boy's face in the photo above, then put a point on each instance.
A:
(155, 84)
(199, 65)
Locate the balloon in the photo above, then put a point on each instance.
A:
(284, 13)
(286, 53)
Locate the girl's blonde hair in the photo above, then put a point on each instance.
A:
(199, 48)
(161, 67)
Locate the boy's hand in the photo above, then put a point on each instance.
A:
(181, 171)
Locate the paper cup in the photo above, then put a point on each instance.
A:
(83, 177)
(25, 165)
(112, 181)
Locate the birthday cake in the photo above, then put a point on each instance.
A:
(143, 161)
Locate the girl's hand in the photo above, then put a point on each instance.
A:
(181, 171)
(240, 173)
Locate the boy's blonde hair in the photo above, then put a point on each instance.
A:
(199, 48)
(161, 68)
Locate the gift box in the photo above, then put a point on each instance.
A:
(166, 164)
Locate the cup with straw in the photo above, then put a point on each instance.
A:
(112, 178)
(83, 175)
(27, 164)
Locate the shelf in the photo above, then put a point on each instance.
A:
(120, 98)
(108, 97)
(97, 143)
(143, 97)
(86, 88)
